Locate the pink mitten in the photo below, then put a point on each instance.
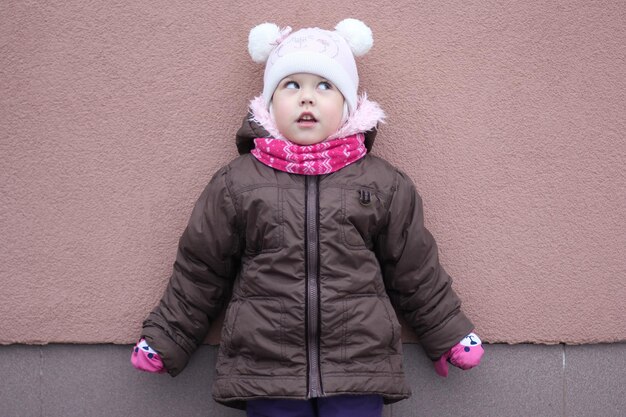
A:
(146, 359)
(465, 355)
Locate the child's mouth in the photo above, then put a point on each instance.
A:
(306, 119)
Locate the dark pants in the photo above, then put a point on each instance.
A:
(339, 406)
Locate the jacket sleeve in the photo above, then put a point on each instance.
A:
(417, 284)
(205, 265)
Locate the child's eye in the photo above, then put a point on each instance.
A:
(325, 85)
(291, 84)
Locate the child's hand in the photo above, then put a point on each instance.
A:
(146, 359)
(465, 355)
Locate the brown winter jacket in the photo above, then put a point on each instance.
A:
(312, 266)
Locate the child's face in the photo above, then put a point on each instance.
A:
(307, 108)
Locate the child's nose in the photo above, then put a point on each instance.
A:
(306, 96)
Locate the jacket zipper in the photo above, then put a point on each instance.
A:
(312, 286)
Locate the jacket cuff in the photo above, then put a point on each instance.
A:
(439, 340)
(174, 357)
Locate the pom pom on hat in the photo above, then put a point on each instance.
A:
(357, 34)
(262, 40)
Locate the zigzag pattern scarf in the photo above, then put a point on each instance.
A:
(320, 158)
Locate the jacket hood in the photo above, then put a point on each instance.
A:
(259, 124)
(246, 134)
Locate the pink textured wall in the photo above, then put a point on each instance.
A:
(509, 116)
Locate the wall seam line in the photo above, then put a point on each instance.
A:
(41, 362)
(564, 383)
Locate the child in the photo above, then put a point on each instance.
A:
(314, 239)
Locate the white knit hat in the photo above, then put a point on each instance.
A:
(328, 54)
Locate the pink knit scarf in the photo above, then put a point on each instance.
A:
(320, 158)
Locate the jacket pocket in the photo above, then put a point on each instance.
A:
(262, 219)
(371, 331)
(227, 328)
(362, 212)
(394, 324)
(254, 331)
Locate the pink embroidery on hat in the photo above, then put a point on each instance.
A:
(284, 32)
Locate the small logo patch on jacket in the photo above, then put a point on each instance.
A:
(365, 197)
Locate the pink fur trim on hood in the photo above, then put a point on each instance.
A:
(365, 117)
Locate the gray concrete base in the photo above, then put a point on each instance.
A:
(518, 380)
